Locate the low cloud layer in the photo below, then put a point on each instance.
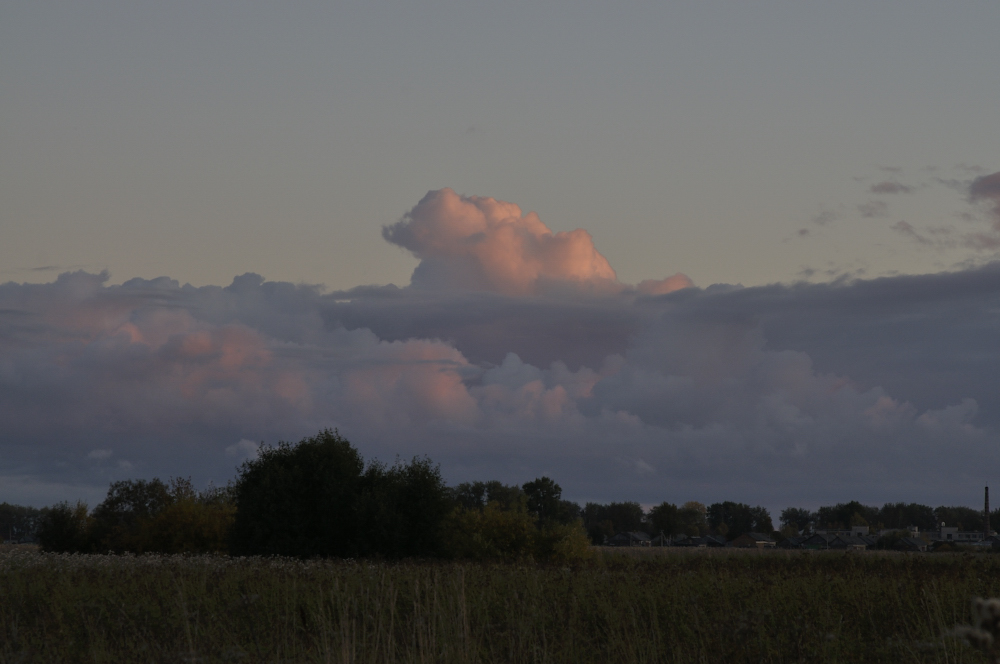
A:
(514, 353)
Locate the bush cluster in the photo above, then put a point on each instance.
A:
(141, 516)
(318, 498)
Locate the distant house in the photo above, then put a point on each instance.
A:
(752, 541)
(854, 531)
(911, 544)
(708, 541)
(818, 541)
(712, 541)
(955, 536)
(851, 543)
(634, 538)
(661, 540)
(792, 542)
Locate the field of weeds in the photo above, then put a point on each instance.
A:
(699, 606)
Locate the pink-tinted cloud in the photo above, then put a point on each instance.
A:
(618, 396)
(663, 286)
(473, 243)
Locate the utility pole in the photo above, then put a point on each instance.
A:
(986, 515)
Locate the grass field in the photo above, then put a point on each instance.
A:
(652, 606)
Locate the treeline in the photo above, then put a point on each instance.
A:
(18, 522)
(319, 498)
(727, 519)
(890, 516)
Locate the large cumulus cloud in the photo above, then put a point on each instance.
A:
(482, 244)
(876, 390)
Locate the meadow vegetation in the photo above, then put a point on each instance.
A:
(313, 555)
(620, 606)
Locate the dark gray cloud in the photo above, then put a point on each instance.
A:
(874, 210)
(514, 353)
(888, 187)
(987, 188)
(877, 390)
(906, 228)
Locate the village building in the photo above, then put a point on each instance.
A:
(752, 540)
(634, 538)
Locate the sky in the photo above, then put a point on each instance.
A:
(657, 251)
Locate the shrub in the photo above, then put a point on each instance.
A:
(403, 508)
(65, 528)
(495, 533)
(492, 533)
(563, 544)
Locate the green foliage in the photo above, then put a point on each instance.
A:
(189, 524)
(120, 522)
(965, 518)
(603, 521)
(796, 517)
(694, 518)
(492, 533)
(839, 516)
(402, 509)
(476, 495)
(900, 516)
(733, 519)
(18, 522)
(316, 498)
(665, 518)
(509, 531)
(544, 499)
(889, 540)
(300, 500)
(788, 530)
(142, 516)
(64, 528)
(562, 543)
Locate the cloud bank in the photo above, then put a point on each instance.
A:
(515, 352)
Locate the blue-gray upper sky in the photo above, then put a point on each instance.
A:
(201, 140)
(151, 152)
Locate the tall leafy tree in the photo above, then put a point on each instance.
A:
(899, 516)
(845, 515)
(602, 521)
(796, 517)
(317, 498)
(129, 504)
(964, 518)
(18, 521)
(65, 528)
(478, 494)
(734, 519)
(402, 508)
(665, 518)
(694, 518)
(544, 498)
(300, 500)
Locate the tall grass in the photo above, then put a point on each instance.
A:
(704, 606)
